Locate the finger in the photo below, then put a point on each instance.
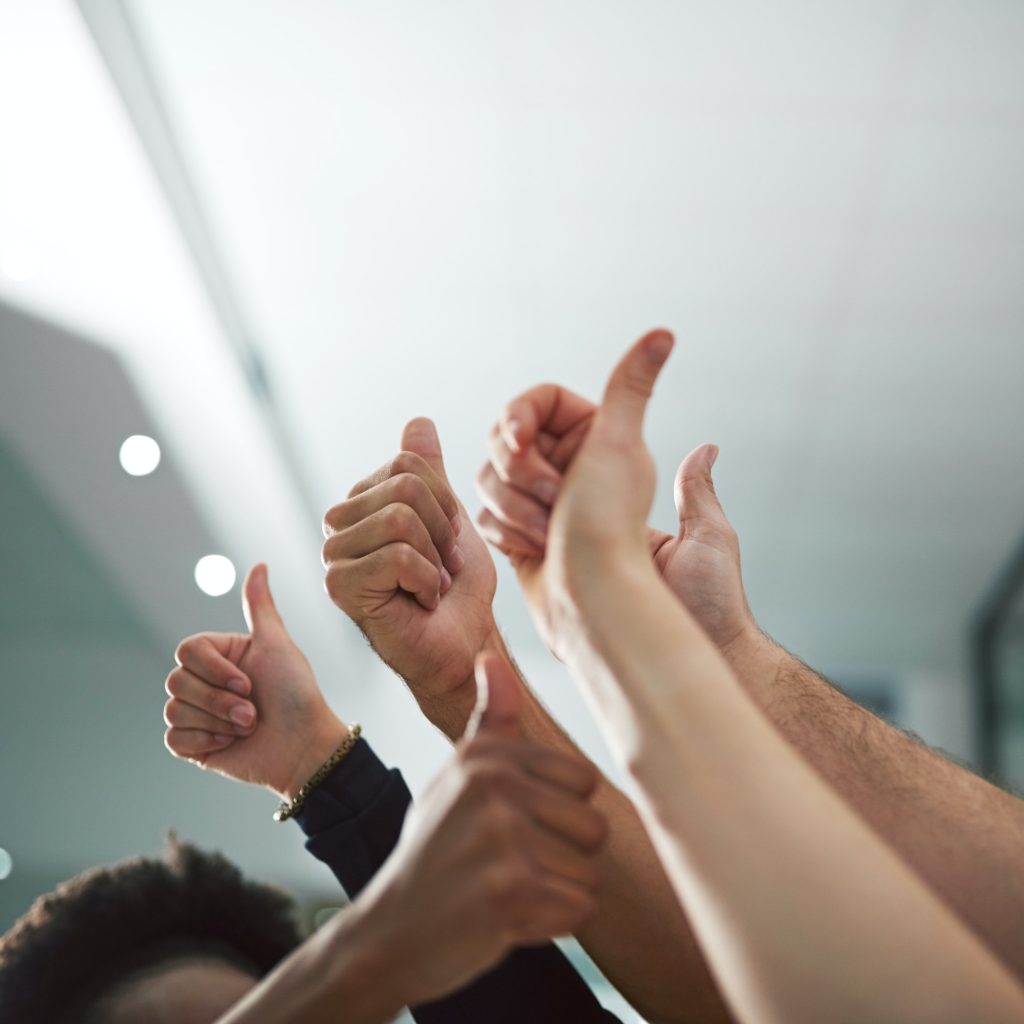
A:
(390, 525)
(258, 605)
(572, 819)
(572, 773)
(411, 462)
(195, 744)
(551, 908)
(413, 493)
(507, 540)
(410, 489)
(525, 469)
(632, 382)
(546, 407)
(214, 657)
(695, 495)
(180, 715)
(220, 704)
(511, 506)
(550, 854)
(499, 700)
(370, 581)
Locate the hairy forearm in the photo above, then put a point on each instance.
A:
(343, 972)
(961, 834)
(798, 924)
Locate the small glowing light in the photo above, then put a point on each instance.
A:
(6, 864)
(139, 455)
(20, 262)
(215, 575)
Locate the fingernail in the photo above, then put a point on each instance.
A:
(712, 455)
(242, 714)
(236, 684)
(545, 490)
(539, 526)
(456, 559)
(446, 580)
(221, 739)
(457, 524)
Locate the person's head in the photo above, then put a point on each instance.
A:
(179, 939)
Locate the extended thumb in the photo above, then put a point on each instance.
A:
(632, 382)
(420, 436)
(258, 603)
(499, 701)
(694, 488)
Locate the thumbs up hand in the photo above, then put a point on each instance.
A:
(406, 565)
(501, 850)
(249, 706)
(533, 444)
(592, 463)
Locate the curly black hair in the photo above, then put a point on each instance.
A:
(94, 931)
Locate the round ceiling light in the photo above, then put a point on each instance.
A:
(139, 455)
(215, 575)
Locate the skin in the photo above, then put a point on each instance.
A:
(429, 632)
(180, 992)
(799, 925)
(500, 851)
(961, 834)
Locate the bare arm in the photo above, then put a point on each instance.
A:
(804, 912)
(376, 558)
(962, 835)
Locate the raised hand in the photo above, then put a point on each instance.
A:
(601, 500)
(531, 446)
(500, 851)
(406, 565)
(248, 705)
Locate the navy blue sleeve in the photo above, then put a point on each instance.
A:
(352, 822)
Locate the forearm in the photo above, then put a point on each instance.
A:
(961, 834)
(343, 972)
(640, 936)
(797, 925)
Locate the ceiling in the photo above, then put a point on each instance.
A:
(387, 210)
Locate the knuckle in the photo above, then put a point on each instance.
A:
(398, 518)
(186, 649)
(332, 519)
(407, 487)
(405, 462)
(505, 886)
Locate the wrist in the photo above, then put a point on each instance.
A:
(450, 712)
(754, 658)
(328, 733)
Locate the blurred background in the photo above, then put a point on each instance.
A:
(265, 235)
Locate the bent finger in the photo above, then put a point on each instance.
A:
(215, 657)
(511, 506)
(195, 744)
(179, 715)
(220, 704)
(506, 539)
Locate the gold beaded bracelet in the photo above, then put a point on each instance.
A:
(288, 810)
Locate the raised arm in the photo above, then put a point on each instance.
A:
(799, 923)
(961, 834)
(354, 818)
(455, 896)
(405, 563)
